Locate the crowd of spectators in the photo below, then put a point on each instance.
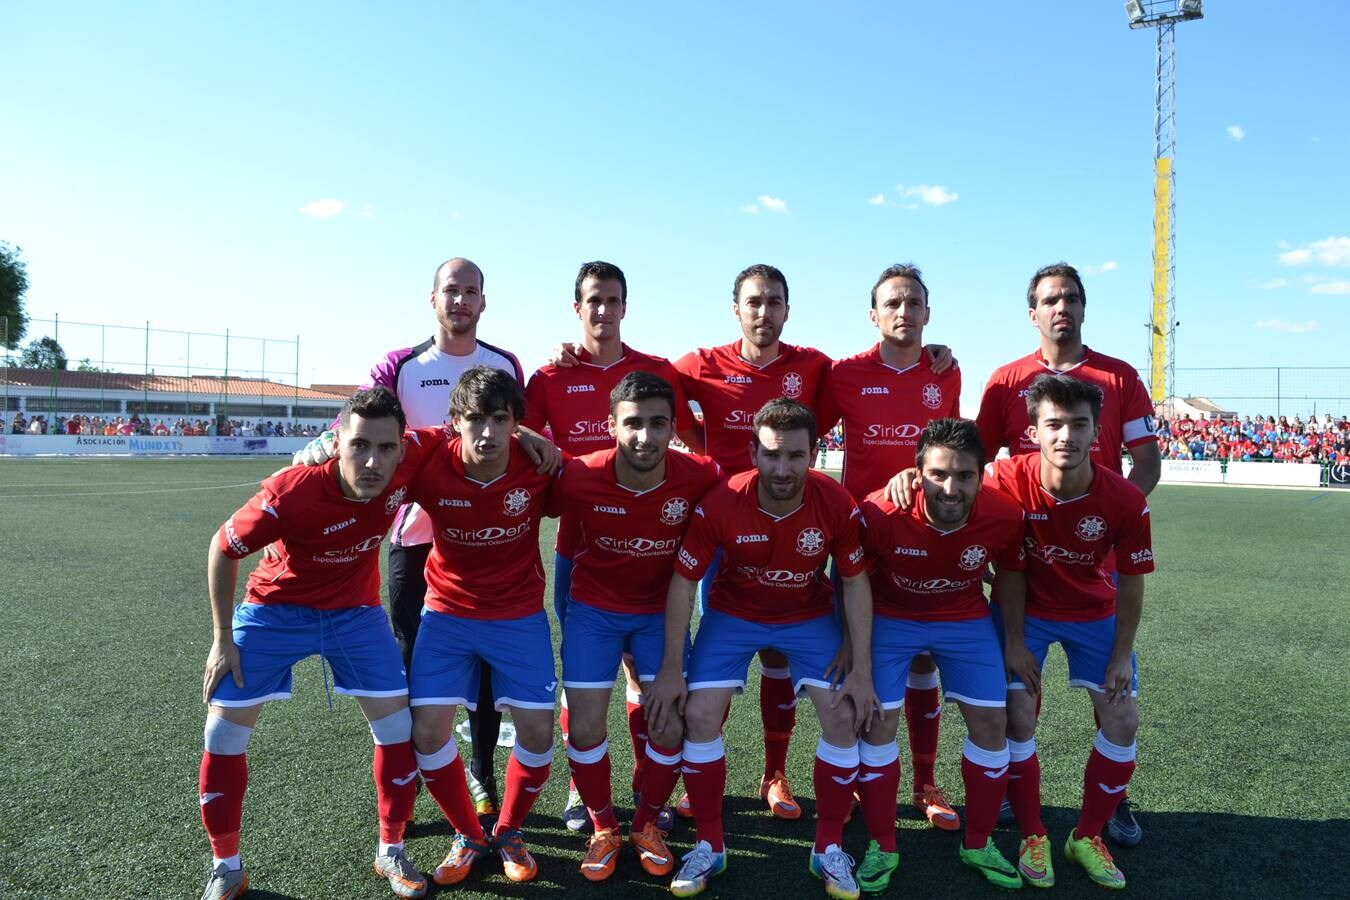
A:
(136, 425)
(1256, 439)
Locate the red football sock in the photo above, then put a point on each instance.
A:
(525, 776)
(923, 718)
(395, 770)
(659, 774)
(562, 722)
(835, 776)
(591, 773)
(778, 711)
(878, 788)
(1105, 777)
(221, 782)
(1024, 787)
(637, 733)
(985, 774)
(705, 778)
(443, 775)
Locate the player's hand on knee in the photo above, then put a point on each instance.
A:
(1021, 665)
(664, 699)
(564, 355)
(866, 705)
(1119, 677)
(902, 488)
(221, 661)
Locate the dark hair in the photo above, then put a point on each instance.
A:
(602, 271)
(436, 279)
(373, 403)
(900, 270)
(638, 386)
(1064, 392)
(484, 389)
(759, 270)
(1061, 270)
(957, 435)
(783, 414)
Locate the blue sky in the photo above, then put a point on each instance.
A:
(169, 162)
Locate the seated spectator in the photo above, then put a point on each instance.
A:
(160, 429)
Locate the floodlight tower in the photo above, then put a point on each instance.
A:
(1162, 16)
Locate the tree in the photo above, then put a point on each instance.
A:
(43, 353)
(13, 285)
(85, 365)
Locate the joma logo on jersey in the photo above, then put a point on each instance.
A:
(810, 542)
(339, 526)
(433, 382)
(516, 501)
(1038, 517)
(674, 510)
(738, 379)
(1090, 528)
(875, 391)
(581, 389)
(911, 551)
(907, 430)
(454, 501)
(612, 510)
(752, 538)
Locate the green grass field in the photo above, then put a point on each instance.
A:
(1243, 785)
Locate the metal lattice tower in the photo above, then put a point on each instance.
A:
(1163, 16)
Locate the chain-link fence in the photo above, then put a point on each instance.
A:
(1267, 391)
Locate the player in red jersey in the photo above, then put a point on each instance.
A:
(886, 396)
(321, 594)
(574, 402)
(631, 505)
(1079, 514)
(775, 524)
(484, 604)
(927, 582)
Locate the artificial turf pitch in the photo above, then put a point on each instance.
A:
(1243, 785)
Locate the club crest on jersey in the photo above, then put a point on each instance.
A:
(395, 500)
(810, 542)
(674, 511)
(1090, 528)
(792, 385)
(973, 557)
(931, 396)
(516, 501)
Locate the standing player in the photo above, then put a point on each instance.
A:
(574, 402)
(886, 396)
(320, 594)
(1057, 304)
(927, 582)
(1079, 514)
(484, 604)
(775, 525)
(631, 505)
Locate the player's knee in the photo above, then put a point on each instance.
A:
(394, 728)
(430, 732)
(836, 723)
(535, 732)
(1120, 723)
(702, 719)
(988, 727)
(1021, 715)
(585, 731)
(225, 738)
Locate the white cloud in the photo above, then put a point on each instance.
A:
(878, 200)
(1332, 288)
(1235, 132)
(1274, 284)
(323, 209)
(773, 204)
(1109, 266)
(1287, 327)
(931, 194)
(1332, 251)
(751, 208)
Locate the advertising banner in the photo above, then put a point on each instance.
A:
(1338, 476)
(1192, 471)
(118, 445)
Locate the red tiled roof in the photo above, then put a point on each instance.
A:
(345, 390)
(207, 385)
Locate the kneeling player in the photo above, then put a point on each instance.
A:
(928, 565)
(775, 525)
(632, 505)
(484, 603)
(1078, 515)
(320, 594)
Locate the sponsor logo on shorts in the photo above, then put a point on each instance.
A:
(792, 385)
(1141, 556)
(339, 526)
(751, 538)
(612, 510)
(931, 396)
(810, 542)
(581, 389)
(674, 511)
(973, 557)
(395, 500)
(516, 501)
(1091, 528)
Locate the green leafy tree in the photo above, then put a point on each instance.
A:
(85, 365)
(43, 353)
(13, 285)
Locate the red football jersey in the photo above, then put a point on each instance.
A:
(1127, 411)
(772, 569)
(484, 562)
(884, 409)
(919, 572)
(328, 544)
(628, 538)
(1069, 543)
(730, 391)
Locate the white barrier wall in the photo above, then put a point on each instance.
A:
(98, 445)
(1192, 471)
(1280, 474)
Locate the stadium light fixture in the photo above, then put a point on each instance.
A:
(1135, 10)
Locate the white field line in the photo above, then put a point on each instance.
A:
(59, 496)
